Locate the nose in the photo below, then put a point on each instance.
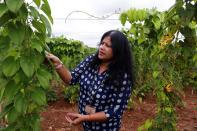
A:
(102, 46)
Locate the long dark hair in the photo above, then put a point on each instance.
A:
(122, 61)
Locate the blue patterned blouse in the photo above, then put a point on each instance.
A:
(104, 97)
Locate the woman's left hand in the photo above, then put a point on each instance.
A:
(75, 118)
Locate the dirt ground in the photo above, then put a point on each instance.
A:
(53, 119)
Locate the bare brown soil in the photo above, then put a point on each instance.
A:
(53, 119)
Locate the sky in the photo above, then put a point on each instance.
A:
(72, 18)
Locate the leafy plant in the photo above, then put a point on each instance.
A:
(71, 93)
(164, 46)
(51, 96)
(24, 79)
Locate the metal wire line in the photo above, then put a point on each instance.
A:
(92, 16)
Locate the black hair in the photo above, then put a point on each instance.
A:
(122, 61)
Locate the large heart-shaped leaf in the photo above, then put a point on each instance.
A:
(10, 91)
(38, 96)
(20, 103)
(27, 65)
(36, 44)
(12, 115)
(46, 9)
(47, 23)
(43, 77)
(10, 66)
(16, 33)
(14, 5)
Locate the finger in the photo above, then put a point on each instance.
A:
(50, 56)
(77, 121)
(73, 114)
(68, 119)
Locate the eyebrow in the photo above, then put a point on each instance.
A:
(109, 44)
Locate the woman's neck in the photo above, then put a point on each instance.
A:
(103, 67)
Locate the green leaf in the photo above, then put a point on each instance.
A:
(42, 37)
(12, 115)
(46, 47)
(46, 9)
(146, 30)
(34, 12)
(48, 25)
(155, 74)
(27, 65)
(20, 76)
(147, 124)
(168, 109)
(4, 19)
(35, 121)
(2, 87)
(10, 66)
(37, 2)
(6, 110)
(38, 96)
(16, 32)
(3, 83)
(37, 59)
(20, 103)
(14, 5)
(4, 42)
(43, 77)
(39, 26)
(1, 93)
(123, 18)
(141, 40)
(3, 9)
(23, 13)
(156, 22)
(10, 91)
(36, 44)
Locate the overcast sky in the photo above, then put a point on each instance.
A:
(88, 29)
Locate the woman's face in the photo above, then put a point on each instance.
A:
(105, 50)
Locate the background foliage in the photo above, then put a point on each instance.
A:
(164, 46)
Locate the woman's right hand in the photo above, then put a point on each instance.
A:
(54, 59)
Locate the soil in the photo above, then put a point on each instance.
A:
(53, 118)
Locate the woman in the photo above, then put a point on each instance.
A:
(105, 80)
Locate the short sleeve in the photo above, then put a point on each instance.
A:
(81, 67)
(120, 97)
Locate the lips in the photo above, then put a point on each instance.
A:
(101, 53)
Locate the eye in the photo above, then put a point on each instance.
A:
(106, 44)
(102, 43)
